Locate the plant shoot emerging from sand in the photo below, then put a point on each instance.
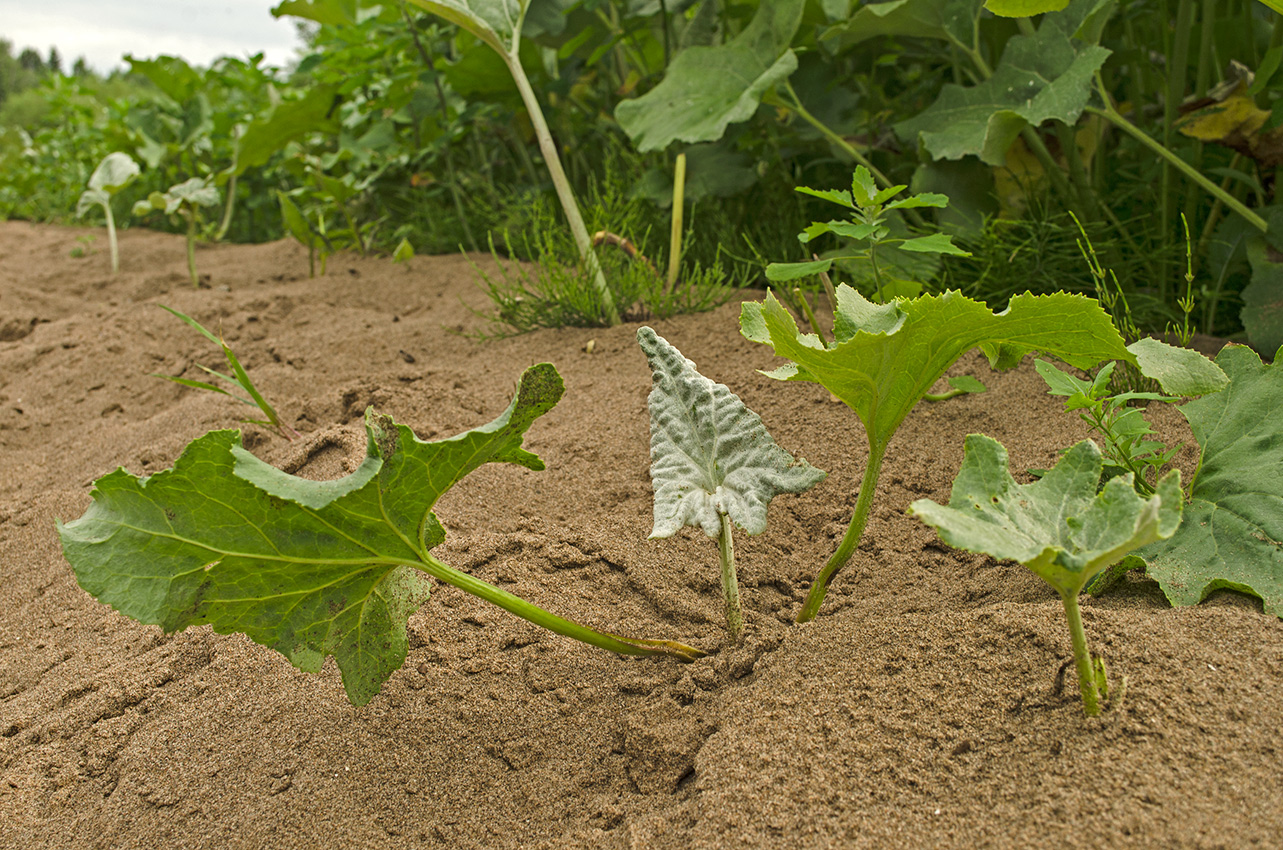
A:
(712, 461)
(115, 172)
(238, 378)
(1058, 527)
(885, 357)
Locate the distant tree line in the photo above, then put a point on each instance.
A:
(28, 69)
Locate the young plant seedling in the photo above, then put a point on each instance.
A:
(308, 568)
(115, 172)
(1058, 527)
(184, 199)
(238, 378)
(712, 461)
(312, 238)
(870, 223)
(885, 357)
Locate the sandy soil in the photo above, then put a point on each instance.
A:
(921, 709)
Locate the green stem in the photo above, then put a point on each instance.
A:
(850, 540)
(675, 235)
(564, 194)
(1114, 117)
(111, 239)
(730, 584)
(1082, 657)
(534, 614)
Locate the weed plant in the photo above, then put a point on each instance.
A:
(552, 287)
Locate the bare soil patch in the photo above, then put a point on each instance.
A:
(920, 710)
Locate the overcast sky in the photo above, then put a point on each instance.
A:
(103, 31)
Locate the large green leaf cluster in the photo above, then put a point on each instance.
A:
(307, 568)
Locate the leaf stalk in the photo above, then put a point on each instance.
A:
(730, 583)
(850, 540)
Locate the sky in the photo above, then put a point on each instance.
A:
(103, 31)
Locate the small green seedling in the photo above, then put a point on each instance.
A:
(238, 378)
(184, 199)
(870, 222)
(1059, 527)
(885, 357)
(712, 461)
(308, 568)
(311, 238)
(1124, 429)
(115, 172)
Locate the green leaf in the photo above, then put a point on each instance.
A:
(1058, 526)
(195, 191)
(950, 20)
(116, 171)
(1262, 312)
(1179, 371)
(837, 196)
(863, 189)
(1024, 8)
(1233, 531)
(710, 454)
(781, 272)
(288, 121)
(496, 22)
(91, 198)
(705, 89)
(308, 568)
(1041, 77)
(886, 357)
(335, 13)
(967, 384)
(936, 243)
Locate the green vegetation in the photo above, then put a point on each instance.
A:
(308, 568)
(1059, 527)
(885, 357)
(712, 461)
(239, 378)
(436, 122)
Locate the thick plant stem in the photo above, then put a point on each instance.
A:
(568, 204)
(675, 235)
(1082, 657)
(551, 622)
(850, 540)
(730, 584)
(111, 239)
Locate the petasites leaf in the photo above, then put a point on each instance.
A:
(709, 453)
(885, 357)
(705, 89)
(307, 568)
(1058, 526)
(1233, 531)
(1041, 77)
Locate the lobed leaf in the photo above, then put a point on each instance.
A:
(308, 568)
(1233, 532)
(886, 357)
(709, 453)
(1058, 526)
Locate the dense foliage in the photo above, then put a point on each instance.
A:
(397, 124)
